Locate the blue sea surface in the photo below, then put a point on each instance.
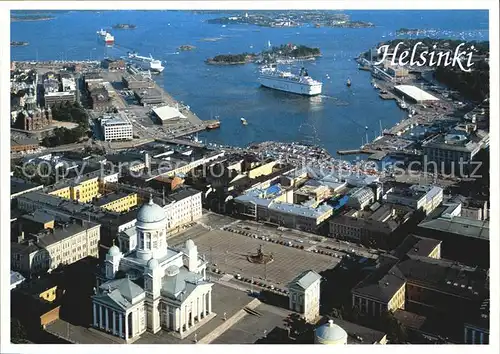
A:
(335, 120)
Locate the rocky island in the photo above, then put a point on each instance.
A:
(290, 51)
(282, 52)
(292, 19)
(19, 44)
(124, 26)
(186, 47)
(231, 59)
(16, 18)
(350, 24)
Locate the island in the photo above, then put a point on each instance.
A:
(271, 55)
(231, 59)
(186, 47)
(290, 51)
(31, 18)
(19, 44)
(124, 26)
(291, 19)
(351, 24)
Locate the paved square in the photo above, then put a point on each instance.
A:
(230, 250)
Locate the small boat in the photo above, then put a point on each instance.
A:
(348, 83)
(244, 121)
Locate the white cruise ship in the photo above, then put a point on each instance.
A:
(147, 63)
(287, 81)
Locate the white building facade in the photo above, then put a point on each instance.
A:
(158, 287)
(116, 128)
(304, 295)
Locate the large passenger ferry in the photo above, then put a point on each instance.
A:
(301, 83)
(147, 63)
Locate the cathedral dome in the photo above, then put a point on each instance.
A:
(114, 251)
(151, 213)
(330, 333)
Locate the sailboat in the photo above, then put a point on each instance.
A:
(244, 121)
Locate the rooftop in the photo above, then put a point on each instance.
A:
(39, 216)
(456, 225)
(305, 279)
(415, 246)
(18, 185)
(445, 276)
(114, 119)
(457, 142)
(383, 283)
(415, 93)
(111, 197)
(167, 112)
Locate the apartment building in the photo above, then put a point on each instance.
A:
(83, 190)
(117, 202)
(65, 243)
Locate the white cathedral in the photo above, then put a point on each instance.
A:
(159, 287)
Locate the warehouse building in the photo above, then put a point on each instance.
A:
(414, 94)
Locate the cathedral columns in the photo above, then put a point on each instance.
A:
(120, 324)
(178, 315)
(204, 304)
(100, 317)
(95, 315)
(106, 310)
(126, 325)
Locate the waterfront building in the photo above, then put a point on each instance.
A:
(149, 96)
(304, 295)
(418, 197)
(414, 94)
(166, 113)
(113, 65)
(163, 287)
(116, 127)
(63, 243)
(137, 82)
